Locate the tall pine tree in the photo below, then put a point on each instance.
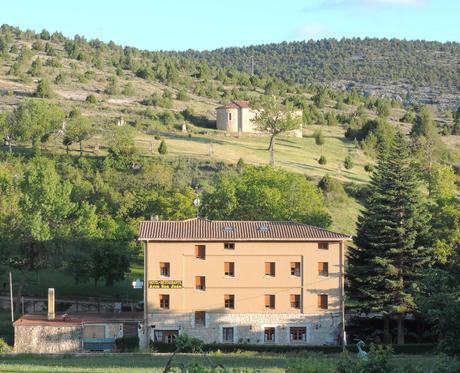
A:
(390, 247)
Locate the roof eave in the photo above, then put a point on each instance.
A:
(330, 239)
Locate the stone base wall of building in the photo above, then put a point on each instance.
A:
(249, 328)
(45, 339)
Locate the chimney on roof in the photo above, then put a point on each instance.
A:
(51, 304)
(154, 217)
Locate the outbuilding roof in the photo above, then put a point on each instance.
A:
(78, 318)
(200, 229)
(236, 105)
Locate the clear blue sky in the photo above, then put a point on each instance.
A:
(209, 24)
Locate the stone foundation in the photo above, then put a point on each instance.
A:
(249, 328)
(45, 339)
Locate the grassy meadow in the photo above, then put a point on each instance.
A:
(241, 362)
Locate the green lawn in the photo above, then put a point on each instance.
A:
(260, 362)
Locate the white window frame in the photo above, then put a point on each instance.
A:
(277, 329)
(307, 333)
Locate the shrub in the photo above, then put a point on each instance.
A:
(322, 160)
(112, 88)
(4, 347)
(182, 95)
(369, 167)
(377, 362)
(54, 62)
(331, 119)
(185, 343)
(60, 78)
(127, 344)
(348, 162)
(91, 99)
(445, 364)
(145, 72)
(330, 185)
(44, 89)
(129, 90)
(38, 45)
(319, 138)
(163, 148)
(408, 117)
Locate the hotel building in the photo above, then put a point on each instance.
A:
(256, 282)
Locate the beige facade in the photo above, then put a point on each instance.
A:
(245, 284)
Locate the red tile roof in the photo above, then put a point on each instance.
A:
(236, 105)
(78, 318)
(200, 229)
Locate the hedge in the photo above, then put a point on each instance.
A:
(412, 349)
(127, 344)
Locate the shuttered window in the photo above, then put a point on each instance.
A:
(323, 245)
(164, 301)
(200, 319)
(229, 246)
(229, 269)
(164, 269)
(295, 300)
(323, 301)
(200, 251)
(295, 269)
(323, 268)
(200, 283)
(269, 268)
(269, 301)
(229, 301)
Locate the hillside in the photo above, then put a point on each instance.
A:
(155, 93)
(421, 71)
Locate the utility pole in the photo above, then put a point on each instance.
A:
(11, 297)
(252, 66)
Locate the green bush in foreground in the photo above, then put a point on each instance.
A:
(4, 347)
(127, 344)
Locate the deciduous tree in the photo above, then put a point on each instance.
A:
(265, 194)
(35, 120)
(78, 129)
(276, 119)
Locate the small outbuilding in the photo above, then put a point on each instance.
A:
(79, 332)
(237, 117)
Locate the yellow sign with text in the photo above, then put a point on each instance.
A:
(165, 284)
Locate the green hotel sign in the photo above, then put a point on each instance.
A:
(165, 284)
